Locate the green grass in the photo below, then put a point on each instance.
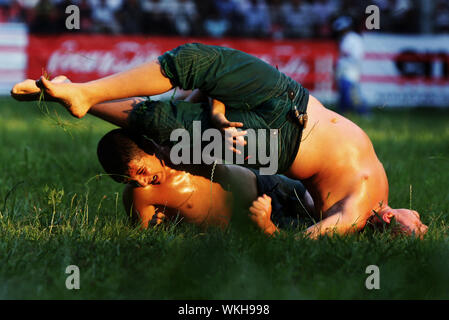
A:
(54, 212)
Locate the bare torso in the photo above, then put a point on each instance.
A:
(337, 164)
(194, 198)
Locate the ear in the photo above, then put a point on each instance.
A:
(387, 216)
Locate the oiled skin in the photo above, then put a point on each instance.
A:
(336, 160)
(337, 163)
(195, 199)
(192, 197)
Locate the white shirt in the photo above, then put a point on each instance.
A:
(351, 56)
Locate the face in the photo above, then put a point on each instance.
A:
(409, 222)
(146, 170)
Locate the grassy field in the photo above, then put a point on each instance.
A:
(55, 212)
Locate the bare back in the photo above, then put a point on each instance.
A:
(336, 161)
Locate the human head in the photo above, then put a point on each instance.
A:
(129, 157)
(408, 222)
(342, 24)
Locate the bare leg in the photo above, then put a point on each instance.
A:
(144, 80)
(116, 112)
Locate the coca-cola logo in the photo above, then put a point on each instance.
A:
(124, 55)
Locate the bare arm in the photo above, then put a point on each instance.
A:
(218, 117)
(232, 136)
(351, 218)
(116, 112)
(342, 222)
(260, 214)
(140, 211)
(217, 107)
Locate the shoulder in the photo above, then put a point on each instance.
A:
(140, 196)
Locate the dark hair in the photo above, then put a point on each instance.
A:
(118, 147)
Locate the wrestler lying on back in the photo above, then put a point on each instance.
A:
(156, 188)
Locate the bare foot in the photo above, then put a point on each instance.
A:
(27, 90)
(70, 95)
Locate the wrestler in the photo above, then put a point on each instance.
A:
(204, 195)
(331, 155)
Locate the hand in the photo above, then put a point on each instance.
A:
(157, 219)
(233, 137)
(261, 214)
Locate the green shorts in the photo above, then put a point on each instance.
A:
(254, 93)
(158, 119)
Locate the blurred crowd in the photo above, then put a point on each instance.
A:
(218, 18)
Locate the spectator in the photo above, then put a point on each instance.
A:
(4, 10)
(27, 4)
(86, 23)
(225, 8)
(277, 21)
(256, 19)
(442, 17)
(12, 11)
(298, 19)
(155, 18)
(229, 11)
(357, 12)
(349, 66)
(113, 4)
(104, 17)
(323, 12)
(44, 18)
(130, 17)
(402, 12)
(216, 25)
(183, 16)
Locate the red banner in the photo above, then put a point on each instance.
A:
(87, 57)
